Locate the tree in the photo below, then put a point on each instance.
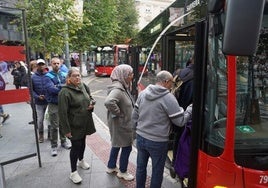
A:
(127, 21)
(46, 21)
(100, 24)
(104, 22)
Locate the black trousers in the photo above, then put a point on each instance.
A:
(77, 152)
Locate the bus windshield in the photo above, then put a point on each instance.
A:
(251, 123)
(105, 58)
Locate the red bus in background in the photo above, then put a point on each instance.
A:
(108, 56)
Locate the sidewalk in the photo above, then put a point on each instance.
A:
(19, 140)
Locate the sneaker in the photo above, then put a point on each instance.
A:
(126, 176)
(66, 145)
(5, 117)
(112, 170)
(54, 152)
(83, 164)
(74, 176)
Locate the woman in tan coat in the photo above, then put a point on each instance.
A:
(119, 104)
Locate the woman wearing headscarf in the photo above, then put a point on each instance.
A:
(119, 104)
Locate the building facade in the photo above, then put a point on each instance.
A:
(149, 9)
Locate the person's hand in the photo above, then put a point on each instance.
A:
(41, 97)
(68, 135)
(189, 109)
(90, 107)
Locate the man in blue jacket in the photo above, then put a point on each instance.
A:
(57, 80)
(40, 84)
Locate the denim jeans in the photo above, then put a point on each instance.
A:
(1, 109)
(124, 156)
(40, 112)
(158, 153)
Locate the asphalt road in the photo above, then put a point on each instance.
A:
(98, 89)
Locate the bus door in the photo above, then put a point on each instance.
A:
(178, 48)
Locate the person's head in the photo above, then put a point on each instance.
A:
(62, 61)
(73, 76)
(17, 64)
(41, 65)
(33, 65)
(165, 79)
(55, 64)
(123, 73)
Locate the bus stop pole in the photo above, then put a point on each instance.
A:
(135, 65)
(30, 85)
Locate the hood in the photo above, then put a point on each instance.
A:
(70, 86)
(187, 73)
(153, 92)
(115, 85)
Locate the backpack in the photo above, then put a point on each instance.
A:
(182, 161)
(2, 83)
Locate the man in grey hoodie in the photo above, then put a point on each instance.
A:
(154, 112)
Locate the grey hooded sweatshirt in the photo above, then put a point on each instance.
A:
(154, 111)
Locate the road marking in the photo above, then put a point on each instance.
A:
(95, 94)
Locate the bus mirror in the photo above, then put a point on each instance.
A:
(242, 26)
(215, 6)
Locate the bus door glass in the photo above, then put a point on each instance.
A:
(184, 51)
(216, 98)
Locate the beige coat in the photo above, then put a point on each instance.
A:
(119, 104)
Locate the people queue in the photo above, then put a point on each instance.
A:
(69, 105)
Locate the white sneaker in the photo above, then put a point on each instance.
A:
(83, 164)
(126, 176)
(112, 170)
(54, 152)
(74, 176)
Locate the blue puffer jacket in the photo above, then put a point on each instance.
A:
(57, 80)
(40, 84)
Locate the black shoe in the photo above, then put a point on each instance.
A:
(172, 172)
(31, 122)
(5, 117)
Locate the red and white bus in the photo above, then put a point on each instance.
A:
(108, 56)
(229, 40)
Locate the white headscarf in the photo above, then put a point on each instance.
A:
(120, 73)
